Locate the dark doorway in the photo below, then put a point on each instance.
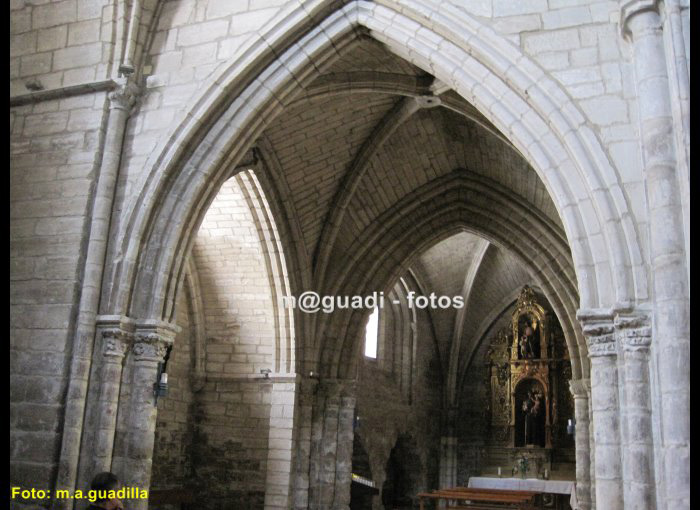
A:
(402, 471)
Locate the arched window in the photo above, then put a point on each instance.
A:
(371, 334)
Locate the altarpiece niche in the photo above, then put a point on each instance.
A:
(529, 369)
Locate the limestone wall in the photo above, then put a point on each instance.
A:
(236, 293)
(386, 412)
(231, 430)
(174, 442)
(55, 156)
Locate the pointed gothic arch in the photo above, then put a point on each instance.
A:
(530, 109)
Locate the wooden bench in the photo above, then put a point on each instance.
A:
(481, 499)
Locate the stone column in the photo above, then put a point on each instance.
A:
(281, 443)
(150, 347)
(591, 445)
(303, 418)
(116, 338)
(121, 101)
(579, 390)
(634, 335)
(448, 461)
(331, 446)
(602, 351)
(448, 452)
(640, 21)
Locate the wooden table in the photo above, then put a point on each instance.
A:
(481, 499)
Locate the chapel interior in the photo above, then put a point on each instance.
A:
(185, 172)
(437, 374)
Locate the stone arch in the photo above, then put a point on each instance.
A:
(533, 112)
(456, 202)
(194, 292)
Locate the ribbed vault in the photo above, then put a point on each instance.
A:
(355, 199)
(457, 202)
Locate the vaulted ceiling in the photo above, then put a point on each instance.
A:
(369, 131)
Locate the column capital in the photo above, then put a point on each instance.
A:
(599, 329)
(307, 385)
(117, 334)
(633, 331)
(150, 347)
(152, 339)
(629, 9)
(115, 342)
(124, 97)
(580, 388)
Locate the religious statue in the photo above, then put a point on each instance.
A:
(528, 339)
(532, 409)
(527, 350)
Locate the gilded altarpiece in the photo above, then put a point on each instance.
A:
(528, 368)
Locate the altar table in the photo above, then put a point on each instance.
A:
(527, 484)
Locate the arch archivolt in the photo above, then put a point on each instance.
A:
(458, 327)
(197, 313)
(531, 110)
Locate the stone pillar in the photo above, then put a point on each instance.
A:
(579, 389)
(116, 338)
(448, 451)
(634, 336)
(280, 443)
(602, 351)
(120, 103)
(640, 21)
(303, 419)
(448, 462)
(591, 445)
(331, 446)
(150, 346)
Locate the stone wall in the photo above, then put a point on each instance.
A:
(230, 444)
(60, 44)
(387, 411)
(472, 427)
(174, 441)
(217, 439)
(236, 293)
(55, 153)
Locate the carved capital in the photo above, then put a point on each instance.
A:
(630, 9)
(115, 342)
(601, 345)
(117, 335)
(599, 330)
(151, 346)
(633, 331)
(124, 97)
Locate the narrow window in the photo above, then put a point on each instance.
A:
(371, 334)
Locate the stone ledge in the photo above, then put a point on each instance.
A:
(63, 92)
